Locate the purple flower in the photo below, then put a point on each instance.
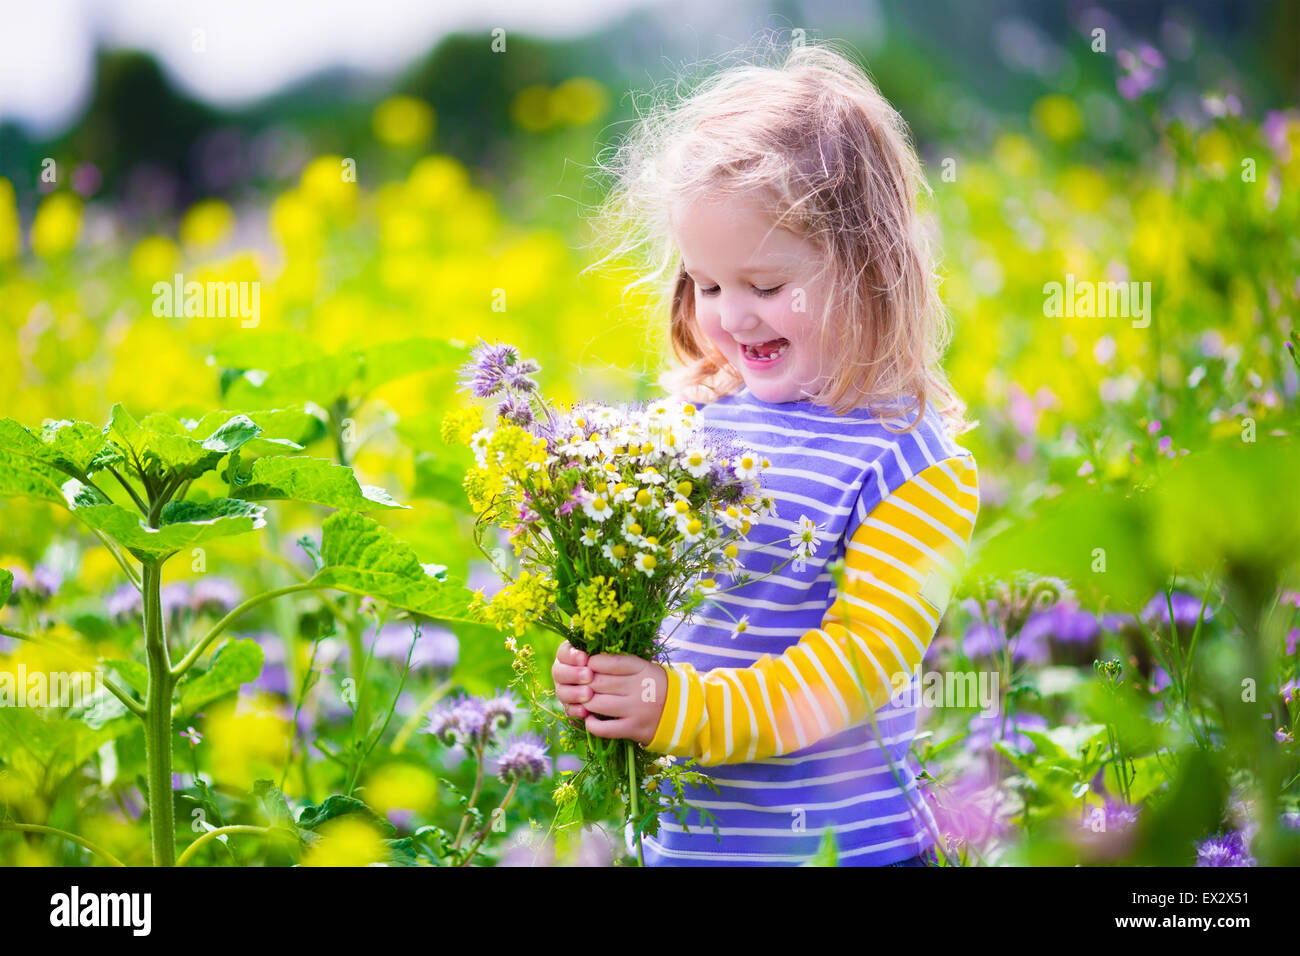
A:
(522, 759)
(1160, 680)
(1140, 70)
(568, 762)
(175, 598)
(214, 596)
(986, 640)
(42, 584)
(501, 710)
(1288, 691)
(496, 366)
(125, 600)
(192, 735)
(1227, 849)
(1065, 621)
(1292, 639)
(1186, 611)
(515, 409)
(463, 721)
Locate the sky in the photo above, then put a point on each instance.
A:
(232, 52)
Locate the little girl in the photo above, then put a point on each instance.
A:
(805, 318)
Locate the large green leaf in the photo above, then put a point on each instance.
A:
(282, 429)
(363, 557)
(310, 479)
(236, 663)
(183, 524)
(162, 444)
(31, 468)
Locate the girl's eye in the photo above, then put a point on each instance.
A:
(765, 293)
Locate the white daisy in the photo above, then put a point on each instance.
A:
(696, 462)
(645, 563)
(691, 529)
(650, 475)
(590, 536)
(741, 626)
(616, 554)
(747, 467)
(730, 516)
(597, 508)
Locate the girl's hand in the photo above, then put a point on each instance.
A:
(572, 680)
(629, 689)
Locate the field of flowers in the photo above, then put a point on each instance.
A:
(287, 668)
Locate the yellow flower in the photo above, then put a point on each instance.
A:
(155, 258)
(1057, 117)
(57, 225)
(578, 100)
(346, 841)
(10, 235)
(403, 121)
(207, 223)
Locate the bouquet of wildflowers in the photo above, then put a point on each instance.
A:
(617, 516)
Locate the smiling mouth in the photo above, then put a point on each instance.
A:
(766, 351)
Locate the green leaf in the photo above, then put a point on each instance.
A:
(282, 429)
(273, 804)
(236, 663)
(6, 585)
(310, 479)
(27, 465)
(162, 445)
(133, 672)
(338, 805)
(363, 557)
(183, 524)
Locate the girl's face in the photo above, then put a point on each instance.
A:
(754, 286)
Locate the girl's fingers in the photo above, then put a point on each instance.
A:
(565, 674)
(616, 663)
(572, 693)
(609, 728)
(576, 710)
(568, 654)
(612, 705)
(606, 683)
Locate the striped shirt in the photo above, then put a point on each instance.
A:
(780, 713)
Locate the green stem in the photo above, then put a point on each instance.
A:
(55, 831)
(632, 788)
(491, 820)
(473, 798)
(408, 728)
(158, 721)
(196, 652)
(194, 847)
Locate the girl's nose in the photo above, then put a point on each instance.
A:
(736, 318)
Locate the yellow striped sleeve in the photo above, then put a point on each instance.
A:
(901, 566)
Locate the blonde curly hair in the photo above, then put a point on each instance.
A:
(831, 161)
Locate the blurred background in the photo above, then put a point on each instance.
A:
(1150, 142)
